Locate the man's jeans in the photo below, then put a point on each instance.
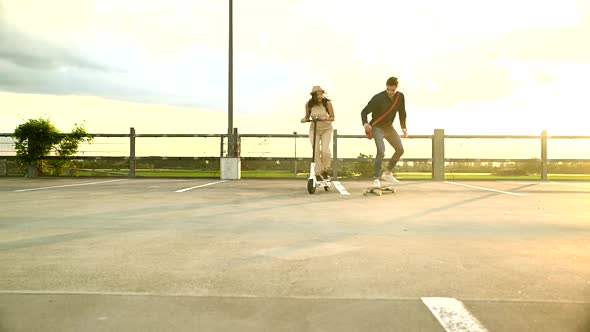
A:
(396, 142)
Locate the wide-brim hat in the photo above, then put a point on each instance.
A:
(316, 89)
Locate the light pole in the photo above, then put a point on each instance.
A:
(230, 90)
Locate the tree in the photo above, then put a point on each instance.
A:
(37, 139)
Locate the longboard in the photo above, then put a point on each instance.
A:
(379, 190)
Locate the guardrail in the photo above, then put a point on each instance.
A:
(437, 158)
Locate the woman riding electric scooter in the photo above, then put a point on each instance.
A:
(320, 110)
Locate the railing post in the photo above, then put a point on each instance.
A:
(438, 155)
(132, 152)
(221, 147)
(335, 154)
(544, 155)
(230, 145)
(3, 167)
(295, 154)
(237, 142)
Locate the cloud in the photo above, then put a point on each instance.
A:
(31, 64)
(22, 49)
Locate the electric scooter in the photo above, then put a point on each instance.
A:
(312, 181)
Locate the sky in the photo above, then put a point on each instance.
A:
(161, 66)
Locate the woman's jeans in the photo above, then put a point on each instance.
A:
(396, 142)
(323, 154)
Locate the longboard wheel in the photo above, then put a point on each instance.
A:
(379, 190)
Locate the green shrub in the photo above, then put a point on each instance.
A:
(37, 139)
(363, 167)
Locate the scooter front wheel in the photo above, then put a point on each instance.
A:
(310, 186)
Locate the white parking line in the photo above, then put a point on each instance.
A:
(522, 182)
(540, 182)
(340, 188)
(577, 184)
(484, 188)
(69, 185)
(452, 315)
(195, 187)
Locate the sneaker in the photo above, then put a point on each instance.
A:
(376, 183)
(325, 174)
(389, 177)
(319, 178)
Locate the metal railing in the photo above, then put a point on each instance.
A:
(437, 157)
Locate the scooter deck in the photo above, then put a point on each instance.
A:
(327, 184)
(379, 190)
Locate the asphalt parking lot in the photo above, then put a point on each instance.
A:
(250, 255)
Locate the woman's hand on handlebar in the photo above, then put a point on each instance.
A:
(311, 119)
